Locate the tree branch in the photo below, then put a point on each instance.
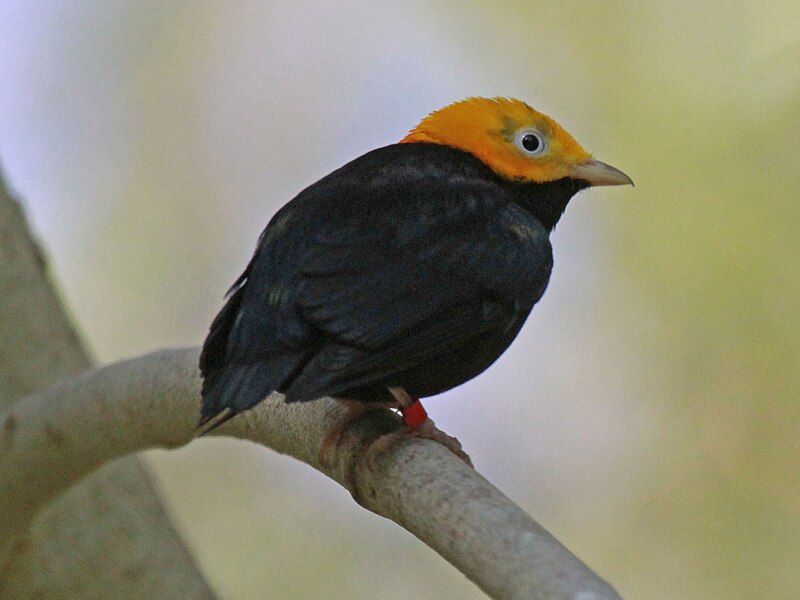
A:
(109, 536)
(52, 439)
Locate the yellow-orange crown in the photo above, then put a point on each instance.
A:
(495, 130)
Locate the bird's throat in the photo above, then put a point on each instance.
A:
(547, 201)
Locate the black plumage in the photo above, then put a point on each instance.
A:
(412, 266)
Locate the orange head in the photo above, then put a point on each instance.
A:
(514, 140)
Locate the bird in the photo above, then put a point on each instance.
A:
(404, 273)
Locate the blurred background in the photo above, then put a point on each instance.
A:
(649, 413)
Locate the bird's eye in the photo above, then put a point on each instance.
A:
(530, 142)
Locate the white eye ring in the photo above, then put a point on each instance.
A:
(530, 142)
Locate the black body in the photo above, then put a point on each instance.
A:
(414, 266)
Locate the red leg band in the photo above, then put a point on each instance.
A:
(414, 415)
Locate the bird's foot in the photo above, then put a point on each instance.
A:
(428, 430)
(417, 424)
(332, 441)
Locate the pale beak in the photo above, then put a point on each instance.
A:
(597, 173)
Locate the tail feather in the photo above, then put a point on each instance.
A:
(208, 424)
(237, 387)
(215, 347)
(238, 372)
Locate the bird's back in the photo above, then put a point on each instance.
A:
(397, 268)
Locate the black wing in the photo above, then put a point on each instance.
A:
(407, 266)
